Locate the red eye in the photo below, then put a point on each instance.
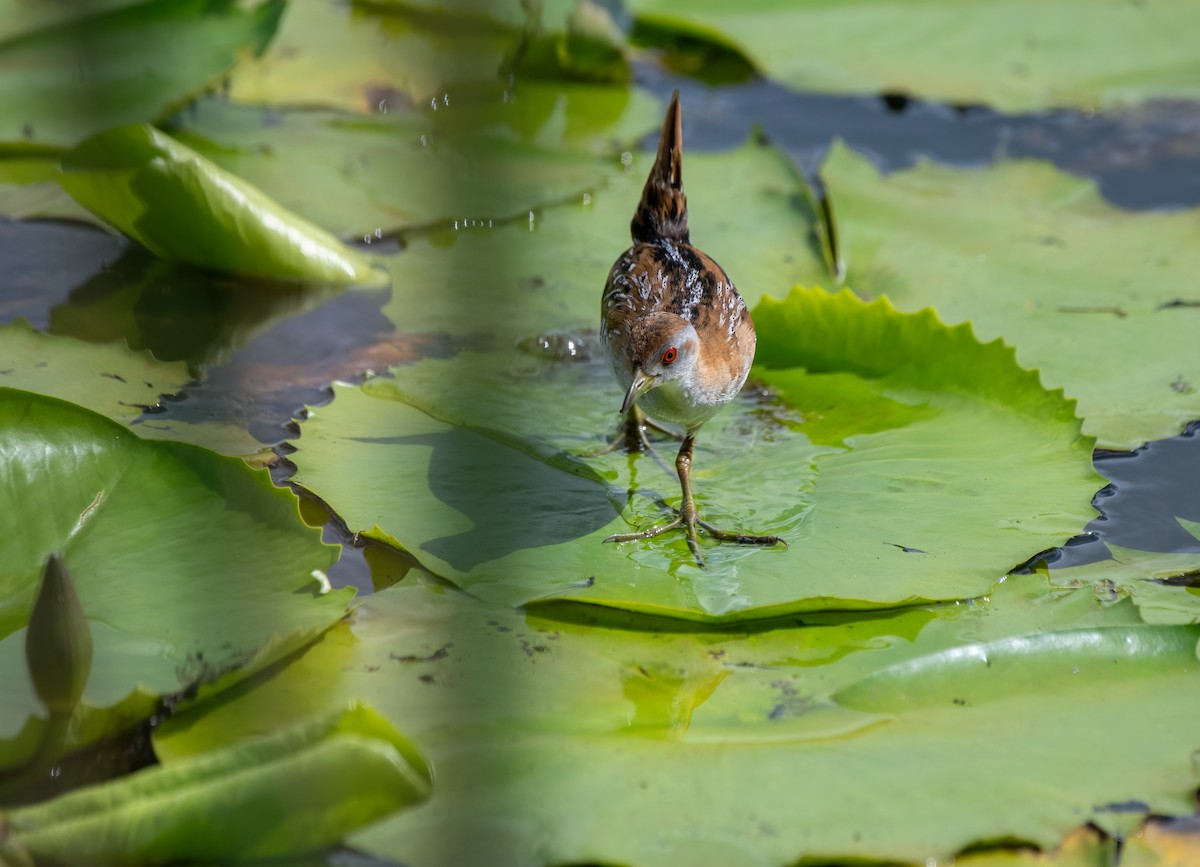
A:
(670, 355)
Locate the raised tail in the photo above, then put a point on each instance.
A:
(662, 213)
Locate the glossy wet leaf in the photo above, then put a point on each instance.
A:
(184, 208)
(269, 795)
(1015, 57)
(119, 66)
(547, 273)
(107, 378)
(879, 469)
(1094, 298)
(138, 525)
(702, 747)
(355, 176)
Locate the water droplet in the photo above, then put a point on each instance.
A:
(378, 231)
(367, 238)
(383, 106)
(505, 96)
(433, 103)
(587, 198)
(424, 140)
(456, 225)
(489, 224)
(445, 99)
(626, 159)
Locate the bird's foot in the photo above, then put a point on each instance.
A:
(739, 538)
(691, 527)
(632, 435)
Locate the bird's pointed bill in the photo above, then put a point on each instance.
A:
(641, 384)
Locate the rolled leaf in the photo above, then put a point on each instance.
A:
(184, 208)
(301, 788)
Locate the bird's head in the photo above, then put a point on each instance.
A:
(663, 347)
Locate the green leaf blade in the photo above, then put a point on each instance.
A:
(184, 208)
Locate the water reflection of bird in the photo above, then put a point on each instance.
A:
(675, 330)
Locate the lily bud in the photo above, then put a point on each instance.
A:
(58, 641)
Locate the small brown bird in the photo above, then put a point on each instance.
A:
(676, 332)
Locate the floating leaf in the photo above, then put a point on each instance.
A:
(1164, 586)
(188, 565)
(1096, 299)
(29, 189)
(354, 176)
(363, 57)
(184, 208)
(271, 796)
(881, 475)
(548, 272)
(1027, 57)
(119, 66)
(107, 378)
(703, 746)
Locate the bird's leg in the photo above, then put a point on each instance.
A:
(632, 434)
(687, 515)
(687, 509)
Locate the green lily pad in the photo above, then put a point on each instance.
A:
(500, 153)
(137, 64)
(881, 474)
(547, 272)
(18, 18)
(110, 379)
(571, 116)
(1164, 586)
(1096, 299)
(1016, 58)
(29, 189)
(364, 58)
(190, 567)
(184, 208)
(100, 372)
(356, 176)
(260, 792)
(702, 747)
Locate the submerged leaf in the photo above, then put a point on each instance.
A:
(184, 208)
